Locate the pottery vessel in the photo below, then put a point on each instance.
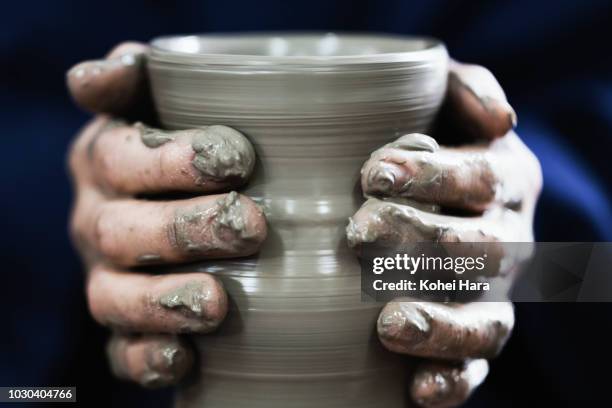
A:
(314, 106)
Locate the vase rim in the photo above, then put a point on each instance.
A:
(297, 48)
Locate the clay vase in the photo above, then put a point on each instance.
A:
(314, 106)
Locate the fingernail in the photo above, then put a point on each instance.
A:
(78, 71)
(166, 364)
(407, 324)
(494, 106)
(382, 177)
(391, 325)
(87, 69)
(497, 107)
(416, 142)
(129, 59)
(431, 389)
(501, 113)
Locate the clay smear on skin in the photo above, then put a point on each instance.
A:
(152, 137)
(164, 364)
(424, 175)
(412, 326)
(380, 176)
(390, 219)
(189, 298)
(222, 223)
(220, 151)
(389, 208)
(149, 258)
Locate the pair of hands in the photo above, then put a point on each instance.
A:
(122, 171)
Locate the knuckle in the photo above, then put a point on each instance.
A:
(78, 147)
(104, 173)
(115, 355)
(127, 47)
(75, 223)
(74, 151)
(83, 146)
(92, 293)
(103, 234)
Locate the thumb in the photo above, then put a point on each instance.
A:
(115, 85)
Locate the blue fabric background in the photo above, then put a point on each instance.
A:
(553, 58)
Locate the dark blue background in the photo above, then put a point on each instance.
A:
(553, 58)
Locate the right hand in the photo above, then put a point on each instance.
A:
(484, 190)
(114, 164)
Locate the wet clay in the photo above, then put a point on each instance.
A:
(415, 142)
(381, 177)
(297, 334)
(223, 223)
(222, 152)
(391, 222)
(149, 258)
(112, 85)
(188, 298)
(429, 330)
(414, 167)
(162, 366)
(438, 385)
(165, 359)
(152, 137)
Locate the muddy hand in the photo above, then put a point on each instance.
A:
(481, 190)
(114, 164)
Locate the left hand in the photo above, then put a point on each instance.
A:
(485, 187)
(127, 215)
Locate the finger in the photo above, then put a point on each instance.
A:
(393, 224)
(115, 85)
(442, 385)
(152, 361)
(134, 232)
(139, 159)
(175, 303)
(446, 331)
(398, 227)
(415, 167)
(477, 101)
(80, 152)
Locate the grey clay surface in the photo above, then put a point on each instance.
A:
(314, 107)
